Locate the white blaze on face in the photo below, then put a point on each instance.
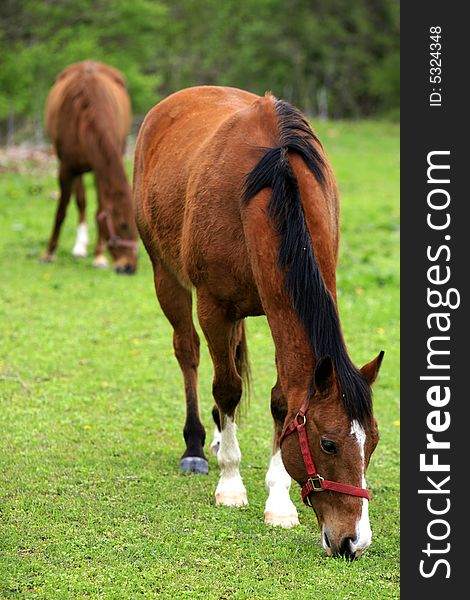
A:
(363, 530)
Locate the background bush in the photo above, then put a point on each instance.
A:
(334, 58)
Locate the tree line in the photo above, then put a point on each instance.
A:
(332, 58)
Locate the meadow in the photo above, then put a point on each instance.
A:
(92, 503)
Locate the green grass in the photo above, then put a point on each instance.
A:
(92, 502)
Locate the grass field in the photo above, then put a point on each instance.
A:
(92, 503)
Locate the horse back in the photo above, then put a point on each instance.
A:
(192, 157)
(190, 160)
(88, 100)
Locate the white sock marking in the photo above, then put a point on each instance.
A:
(230, 489)
(81, 242)
(215, 444)
(100, 261)
(279, 509)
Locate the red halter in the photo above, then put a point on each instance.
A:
(114, 240)
(315, 482)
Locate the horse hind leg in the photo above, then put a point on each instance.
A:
(215, 444)
(241, 361)
(221, 335)
(82, 239)
(176, 303)
(279, 509)
(65, 183)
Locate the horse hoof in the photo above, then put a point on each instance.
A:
(285, 521)
(101, 262)
(236, 499)
(48, 258)
(194, 464)
(79, 252)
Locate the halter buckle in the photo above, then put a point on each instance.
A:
(318, 481)
(314, 484)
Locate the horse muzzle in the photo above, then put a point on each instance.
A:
(349, 546)
(126, 269)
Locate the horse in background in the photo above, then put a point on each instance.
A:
(234, 196)
(88, 117)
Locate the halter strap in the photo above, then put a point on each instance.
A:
(315, 482)
(114, 240)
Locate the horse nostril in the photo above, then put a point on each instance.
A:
(345, 548)
(327, 541)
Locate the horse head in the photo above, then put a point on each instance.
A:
(330, 455)
(118, 228)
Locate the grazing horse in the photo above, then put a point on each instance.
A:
(88, 116)
(234, 197)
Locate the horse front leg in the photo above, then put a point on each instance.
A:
(176, 303)
(65, 183)
(221, 335)
(80, 249)
(100, 261)
(230, 490)
(279, 509)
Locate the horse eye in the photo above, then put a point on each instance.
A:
(123, 226)
(328, 446)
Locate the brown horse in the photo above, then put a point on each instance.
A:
(234, 197)
(88, 116)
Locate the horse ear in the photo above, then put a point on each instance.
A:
(371, 369)
(324, 374)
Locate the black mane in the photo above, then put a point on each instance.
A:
(304, 282)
